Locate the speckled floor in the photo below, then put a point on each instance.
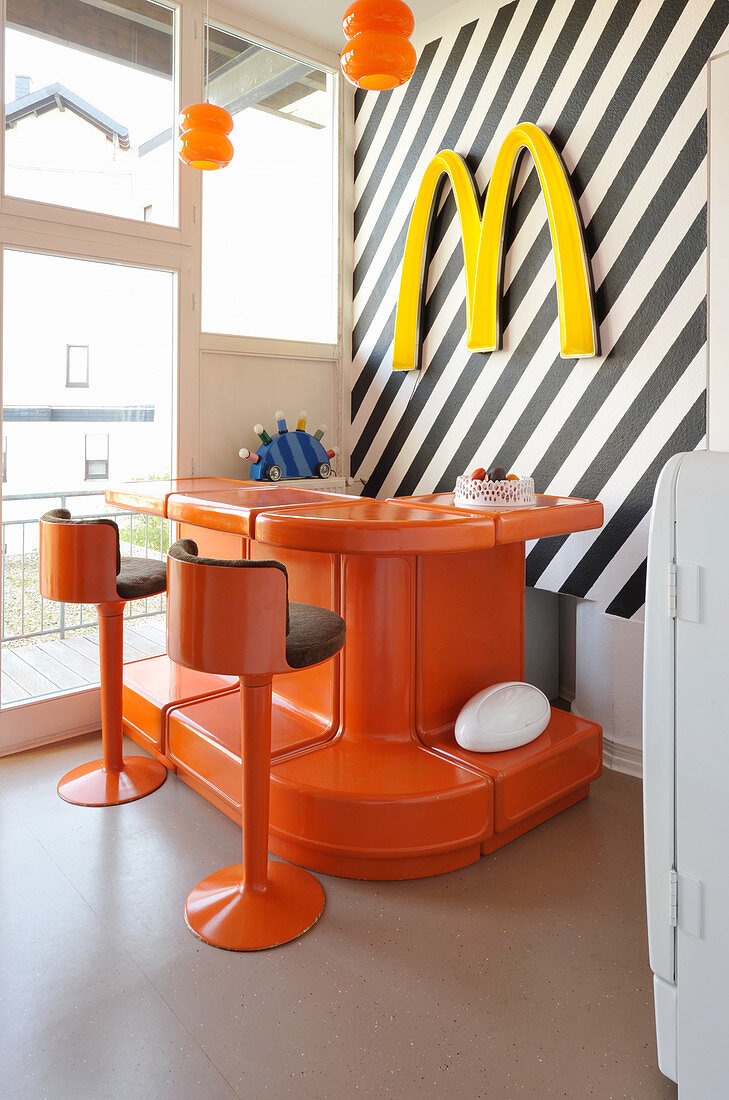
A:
(525, 975)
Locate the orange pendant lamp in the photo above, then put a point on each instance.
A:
(378, 55)
(204, 127)
(204, 141)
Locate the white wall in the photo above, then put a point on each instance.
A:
(609, 682)
(238, 391)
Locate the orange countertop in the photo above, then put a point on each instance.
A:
(310, 519)
(549, 516)
(235, 510)
(367, 526)
(152, 496)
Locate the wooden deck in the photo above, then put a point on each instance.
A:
(47, 667)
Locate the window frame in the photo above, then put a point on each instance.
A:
(95, 477)
(76, 385)
(36, 209)
(237, 24)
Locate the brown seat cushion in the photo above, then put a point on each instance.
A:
(315, 633)
(140, 577)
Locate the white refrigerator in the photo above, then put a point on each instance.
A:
(686, 771)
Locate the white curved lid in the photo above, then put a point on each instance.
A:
(509, 708)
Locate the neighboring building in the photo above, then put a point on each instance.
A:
(60, 148)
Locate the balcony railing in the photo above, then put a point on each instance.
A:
(25, 614)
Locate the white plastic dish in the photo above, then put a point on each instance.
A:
(494, 494)
(503, 716)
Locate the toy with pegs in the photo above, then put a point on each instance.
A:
(289, 454)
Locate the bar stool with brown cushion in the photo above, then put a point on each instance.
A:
(80, 562)
(233, 617)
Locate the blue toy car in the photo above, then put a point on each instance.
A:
(289, 454)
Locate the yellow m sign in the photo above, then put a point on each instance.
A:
(483, 249)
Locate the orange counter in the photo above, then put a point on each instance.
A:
(367, 779)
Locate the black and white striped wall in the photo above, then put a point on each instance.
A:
(620, 86)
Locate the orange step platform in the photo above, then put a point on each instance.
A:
(152, 687)
(203, 742)
(535, 781)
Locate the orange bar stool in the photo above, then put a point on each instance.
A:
(233, 617)
(80, 562)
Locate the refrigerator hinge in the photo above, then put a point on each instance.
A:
(672, 589)
(673, 898)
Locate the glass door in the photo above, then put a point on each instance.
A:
(88, 400)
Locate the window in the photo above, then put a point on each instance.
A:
(62, 440)
(77, 365)
(5, 458)
(269, 265)
(97, 458)
(90, 106)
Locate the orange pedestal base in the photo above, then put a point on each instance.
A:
(92, 785)
(391, 795)
(498, 840)
(223, 913)
(341, 810)
(366, 778)
(532, 779)
(338, 811)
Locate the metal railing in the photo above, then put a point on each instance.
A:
(25, 614)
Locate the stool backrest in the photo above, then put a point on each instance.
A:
(78, 559)
(228, 617)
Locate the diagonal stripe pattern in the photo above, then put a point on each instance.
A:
(620, 87)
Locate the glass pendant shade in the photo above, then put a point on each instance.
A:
(204, 141)
(378, 55)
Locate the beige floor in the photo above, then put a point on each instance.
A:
(522, 976)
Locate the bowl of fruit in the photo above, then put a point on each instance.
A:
(494, 489)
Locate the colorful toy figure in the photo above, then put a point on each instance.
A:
(289, 454)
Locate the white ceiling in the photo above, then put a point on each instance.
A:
(320, 21)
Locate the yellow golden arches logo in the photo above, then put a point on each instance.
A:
(483, 246)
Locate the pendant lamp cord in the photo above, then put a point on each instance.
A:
(207, 51)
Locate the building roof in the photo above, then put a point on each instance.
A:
(57, 97)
